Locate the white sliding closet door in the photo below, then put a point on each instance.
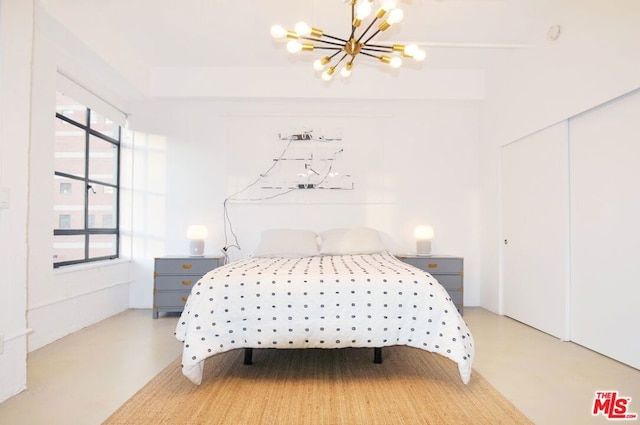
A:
(535, 229)
(605, 229)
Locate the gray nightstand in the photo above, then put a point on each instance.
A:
(448, 270)
(173, 278)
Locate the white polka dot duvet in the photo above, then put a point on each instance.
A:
(371, 300)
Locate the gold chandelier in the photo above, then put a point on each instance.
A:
(306, 38)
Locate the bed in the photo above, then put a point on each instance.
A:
(331, 296)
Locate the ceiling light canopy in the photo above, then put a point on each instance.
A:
(306, 38)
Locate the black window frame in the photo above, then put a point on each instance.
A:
(87, 231)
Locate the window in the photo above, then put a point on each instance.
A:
(65, 188)
(87, 177)
(65, 221)
(107, 220)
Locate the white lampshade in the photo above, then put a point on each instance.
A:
(423, 232)
(423, 235)
(196, 234)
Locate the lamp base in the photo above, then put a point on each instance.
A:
(196, 248)
(423, 247)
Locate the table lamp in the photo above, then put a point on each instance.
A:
(196, 235)
(423, 235)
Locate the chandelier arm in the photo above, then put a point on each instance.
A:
(337, 49)
(341, 59)
(372, 35)
(334, 38)
(317, 40)
(375, 49)
(367, 30)
(369, 54)
(353, 32)
(378, 46)
(353, 19)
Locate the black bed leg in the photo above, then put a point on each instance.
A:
(377, 355)
(248, 354)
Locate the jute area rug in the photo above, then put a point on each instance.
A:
(320, 386)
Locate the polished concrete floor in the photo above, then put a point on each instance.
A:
(85, 376)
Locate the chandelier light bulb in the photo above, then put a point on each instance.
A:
(302, 28)
(395, 16)
(294, 46)
(388, 5)
(420, 55)
(411, 50)
(396, 62)
(346, 71)
(319, 64)
(326, 75)
(363, 9)
(278, 31)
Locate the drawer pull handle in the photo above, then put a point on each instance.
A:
(184, 299)
(186, 282)
(186, 266)
(433, 265)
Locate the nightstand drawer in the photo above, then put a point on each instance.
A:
(195, 266)
(170, 299)
(449, 281)
(435, 265)
(175, 282)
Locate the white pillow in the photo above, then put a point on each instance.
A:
(357, 240)
(287, 243)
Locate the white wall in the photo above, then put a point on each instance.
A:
(16, 25)
(595, 59)
(430, 151)
(64, 300)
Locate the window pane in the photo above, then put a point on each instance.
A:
(102, 204)
(65, 189)
(71, 109)
(102, 245)
(68, 248)
(70, 202)
(104, 125)
(64, 221)
(103, 160)
(69, 148)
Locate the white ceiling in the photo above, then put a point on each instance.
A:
(212, 33)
